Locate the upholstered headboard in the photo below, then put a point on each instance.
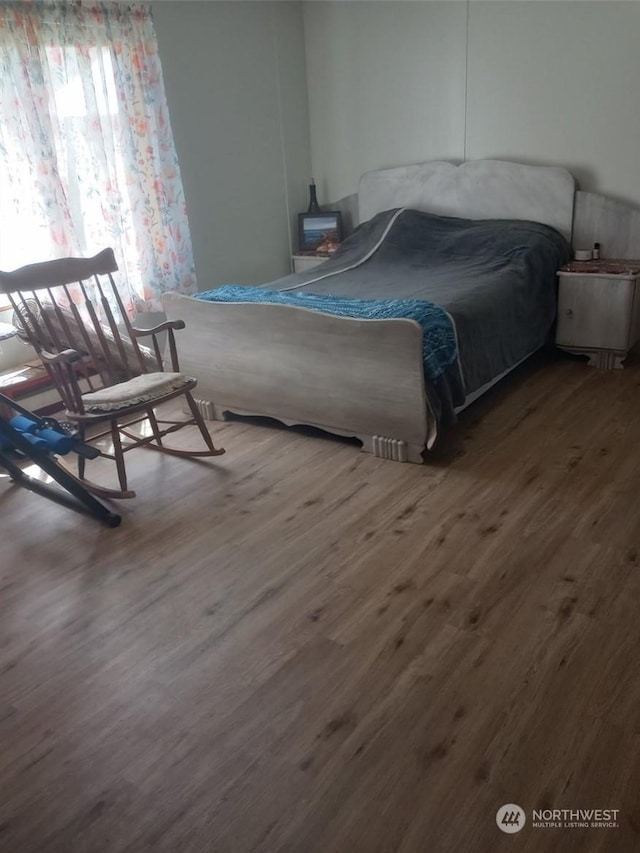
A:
(478, 189)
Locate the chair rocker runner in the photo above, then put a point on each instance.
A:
(71, 312)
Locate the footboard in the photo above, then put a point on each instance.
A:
(361, 378)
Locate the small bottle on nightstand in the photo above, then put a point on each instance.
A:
(595, 252)
(314, 207)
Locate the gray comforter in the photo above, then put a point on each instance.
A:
(496, 278)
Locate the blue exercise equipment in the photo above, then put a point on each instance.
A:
(29, 436)
(52, 440)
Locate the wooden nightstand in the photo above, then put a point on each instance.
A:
(302, 263)
(599, 310)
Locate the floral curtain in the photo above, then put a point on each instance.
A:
(87, 158)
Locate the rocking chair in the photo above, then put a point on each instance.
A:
(77, 323)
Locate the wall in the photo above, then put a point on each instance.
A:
(558, 85)
(386, 87)
(547, 83)
(234, 75)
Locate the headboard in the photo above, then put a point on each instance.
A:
(478, 189)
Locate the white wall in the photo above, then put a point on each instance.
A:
(234, 75)
(558, 83)
(547, 83)
(386, 87)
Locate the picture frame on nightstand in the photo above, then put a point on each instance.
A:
(319, 229)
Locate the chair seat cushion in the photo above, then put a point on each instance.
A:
(141, 389)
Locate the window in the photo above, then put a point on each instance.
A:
(87, 158)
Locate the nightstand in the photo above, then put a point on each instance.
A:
(599, 310)
(302, 263)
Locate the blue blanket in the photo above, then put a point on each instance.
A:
(439, 347)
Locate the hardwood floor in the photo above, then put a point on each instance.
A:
(296, 647)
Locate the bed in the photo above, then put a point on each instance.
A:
(480, 242)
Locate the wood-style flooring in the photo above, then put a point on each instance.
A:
(298, 647)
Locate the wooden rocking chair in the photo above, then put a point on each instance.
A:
(77, 323)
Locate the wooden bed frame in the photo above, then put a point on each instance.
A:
(361, 378)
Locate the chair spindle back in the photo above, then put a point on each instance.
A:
(74, 304)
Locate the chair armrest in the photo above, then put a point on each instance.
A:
(168, 325)
(67, 356)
